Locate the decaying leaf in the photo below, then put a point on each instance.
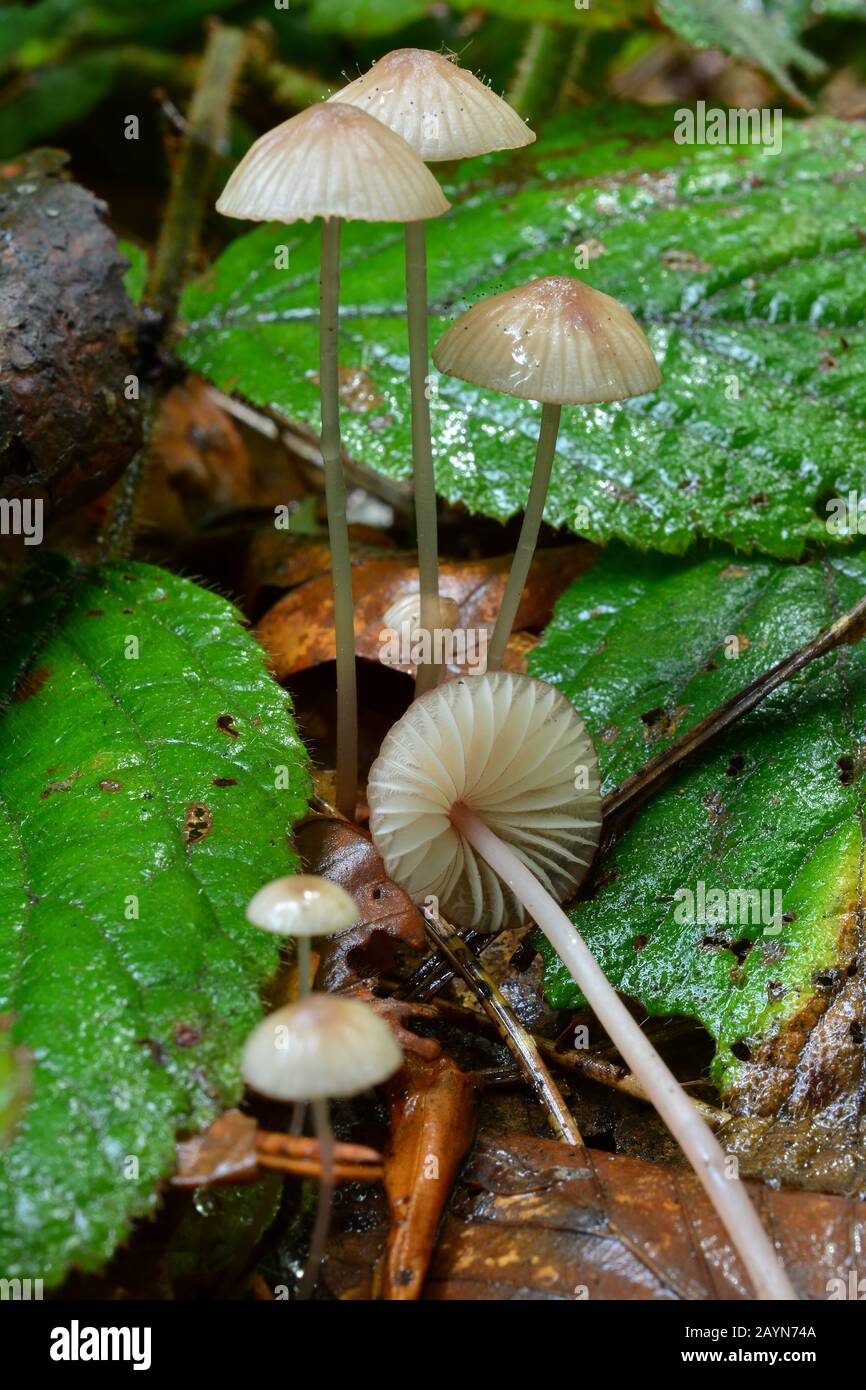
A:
(69, 419)
(298, 632)
(389, 919)
(434, 1108)
(225, 1152)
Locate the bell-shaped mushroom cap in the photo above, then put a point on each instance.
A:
(408, 610)
(441, 109)
(325, 1045)
(553, 340)
(302, 905)
(332, 161)
(514, 751)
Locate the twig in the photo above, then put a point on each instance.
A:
(518, 1041)
(312, 1168)
(848, 628)
(302, 1146)
(207, 124)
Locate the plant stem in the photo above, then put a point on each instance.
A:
(325, 1136)
(728, 1195)
(849, 627)
(528, 535)
(207, 127)
(304, 962)
(540, 71)
(422, 450)
(338, 530)
(519, 1043)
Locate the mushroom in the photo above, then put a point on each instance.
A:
(302, 906)
(334, 162)
(404, 618)
(445, 113)
(559, 342)
(324, 1046)
(486, 795)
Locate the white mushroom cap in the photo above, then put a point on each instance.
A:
(408, 610)
(325, 1045)
(553, 340)
(514, 751)
(302, 905)
(441, 109)
(332, 161)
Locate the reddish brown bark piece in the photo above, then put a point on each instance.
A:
(433, 1116)
(298, 632)
(388, 917)
(68, 339)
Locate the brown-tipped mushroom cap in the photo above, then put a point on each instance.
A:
(554, 340)
(325, 1045)
(302, 905)
(514, 751)
(332, 161)
(408, 610)
(441, 109)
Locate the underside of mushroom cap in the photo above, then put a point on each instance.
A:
(554, 340)
(443, 110)
(514, 751)
(324, 1045)
(332, 161)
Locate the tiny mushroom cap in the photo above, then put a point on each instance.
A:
(325, 1045)
(441, 109)
(408, 610)
(514, 751)
(332, 161)
(302, 905)
(554, 340)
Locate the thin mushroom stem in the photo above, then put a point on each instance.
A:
(422, 450)
(325, 1136)
(528, 535)
(305, 961)
(338, 531)
(728, 1195)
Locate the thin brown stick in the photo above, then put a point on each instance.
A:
(520, 1044)
(302, 1146)
(307, 1168)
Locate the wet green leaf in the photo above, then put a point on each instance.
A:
(151, 772)
(645, 648)
(748, 272)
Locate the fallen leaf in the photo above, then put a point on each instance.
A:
(225, 1152)
(388, 920)
(298, 632)
(434, 1109)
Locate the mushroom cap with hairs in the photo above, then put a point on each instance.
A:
(332, 161)
(325, 1045)
(302, 905)
(509, 748)
(443, 110)
(554, 340)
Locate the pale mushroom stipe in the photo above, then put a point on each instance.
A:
(558, 342)
(445, 113)
(337, 163)
(471, 802)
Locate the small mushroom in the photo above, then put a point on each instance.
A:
(486, 795)
(445, 113)
(323, 1046)
(559, 342)
(302, 906)
(334, 162)
(404, 618)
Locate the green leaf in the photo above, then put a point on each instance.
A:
(135, 277)
(363, 18)
(150, 773)
(764, 36)
(643, 648)
(748, 272)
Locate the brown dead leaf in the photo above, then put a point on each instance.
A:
(298, 632)
(226, 1152)
(434, 1109)
(198, 461)
(389, 919)
(533, 1220)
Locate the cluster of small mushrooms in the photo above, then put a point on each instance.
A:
(486, 794)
